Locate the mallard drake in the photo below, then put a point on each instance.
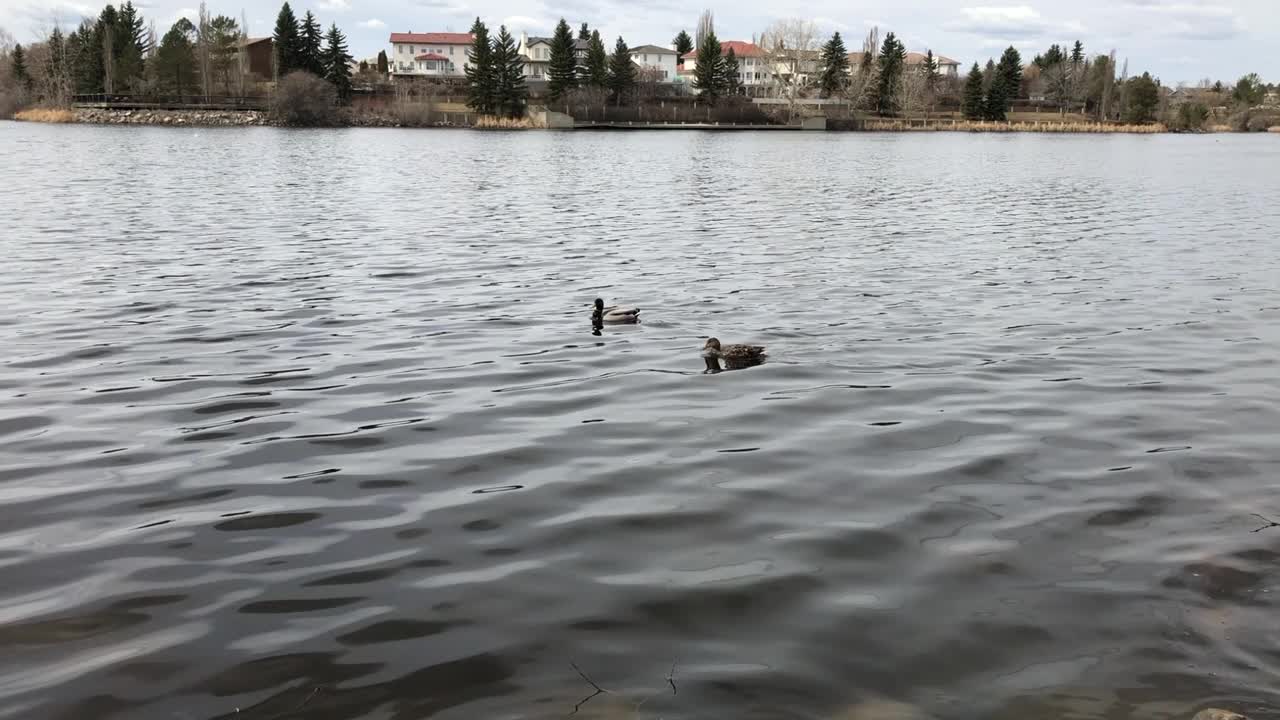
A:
(734, 356)
(614, 313)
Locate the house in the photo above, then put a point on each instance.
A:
(946, 66)
(752, 68)
(261, 56)
(536, 53)
(429, 54)
(659, 59)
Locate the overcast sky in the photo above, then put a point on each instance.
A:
(1178, 40)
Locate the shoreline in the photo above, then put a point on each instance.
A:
(258, 118)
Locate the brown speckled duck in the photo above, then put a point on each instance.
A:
(735, 357)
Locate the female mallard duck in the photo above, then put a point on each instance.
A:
(735, 357)
(614, 314)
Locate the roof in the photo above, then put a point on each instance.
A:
(254, 41)
(432, 38)
(431, 56)
(913, 58)
(653, 50)
(532, 40)
(739, 48)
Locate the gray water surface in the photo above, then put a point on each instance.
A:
(313, 425)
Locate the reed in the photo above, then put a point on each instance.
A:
(1275, 129)
(982, 126)
(45, 115)
(490, 122)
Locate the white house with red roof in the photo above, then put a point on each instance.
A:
(752, 69)
(429, 54)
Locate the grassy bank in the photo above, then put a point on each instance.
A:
(45, 115)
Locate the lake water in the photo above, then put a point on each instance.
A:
(313, 425)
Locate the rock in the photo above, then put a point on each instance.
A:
(1218, 714)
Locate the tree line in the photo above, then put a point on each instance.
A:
(119, 52)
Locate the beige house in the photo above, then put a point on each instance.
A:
(658, 59)
(752, 68)
(429, 54)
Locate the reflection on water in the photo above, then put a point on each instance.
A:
(309, 425)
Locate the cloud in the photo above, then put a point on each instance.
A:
(515, 23)
(1020, 23)
(372, 24)
(831, 24)
(338, 6)
(1193, 21)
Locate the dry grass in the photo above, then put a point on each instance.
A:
(45, 115)
(1219, 128)
(1002, 127)
(489, 122)
(1275, 129)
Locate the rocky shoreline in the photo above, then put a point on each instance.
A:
(193, 118)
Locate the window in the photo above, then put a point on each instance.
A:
(646, 57)
(411, 50)
(451, 50)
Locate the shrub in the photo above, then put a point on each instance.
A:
(11, 101)
(304, 100)
(414, 114)
(1189, 117)
(1263, 121)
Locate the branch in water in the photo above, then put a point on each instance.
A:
(1269, 522)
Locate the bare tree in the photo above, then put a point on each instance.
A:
(243, 57)
(1108, 81)
(706, 26)
(865, 74)
(913, 91)
(6, 42)
(204, 50)
(791, 58)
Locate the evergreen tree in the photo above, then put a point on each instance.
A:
(1054, 56)
(1077, 54)
(481, 82)
(508, 69)
(337, 63)
(18, 68)
(893, 60)
(105, 38)
(708, 70)
(730, 75)
(972, 105)
(223, 45)
(1004, 88)
(312, 44)
(683, 45)
(597, 71)
(931, 75)
(1142, 99)
(176, 59)
(1010, 67)
(622, 72)
(84, 53)
(835, 67)
(383, 66)
(288, 44)
(129, 44)
(563, 67)
(988, 75)
(584, 33)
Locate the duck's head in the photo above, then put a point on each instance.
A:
(711, 348)
(599, 305)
